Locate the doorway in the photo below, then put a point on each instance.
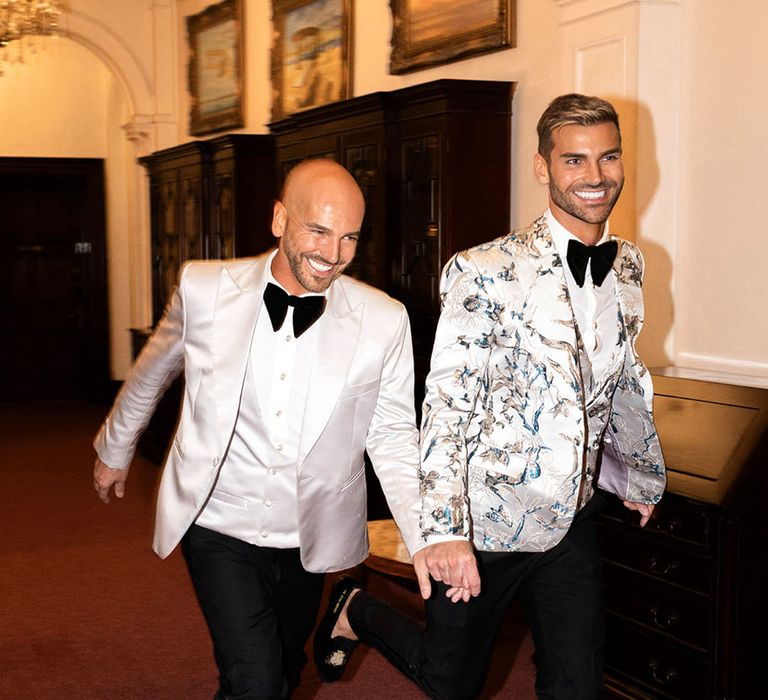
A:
(53, 292)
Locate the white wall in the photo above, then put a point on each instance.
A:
(721, 260)
(54, 103)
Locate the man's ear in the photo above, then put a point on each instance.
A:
(279, 219)
(541, 169)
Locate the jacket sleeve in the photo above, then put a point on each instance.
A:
(632, 461)
(392, 440)
(463, 342)
(159, 363)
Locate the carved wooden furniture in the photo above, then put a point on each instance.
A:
(433, 161)
(208, 199)
(687, 606)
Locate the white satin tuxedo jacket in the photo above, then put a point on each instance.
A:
(513, 421)
(360, 398)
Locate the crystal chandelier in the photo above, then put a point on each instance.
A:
(22, 19)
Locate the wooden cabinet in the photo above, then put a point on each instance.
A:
(208, 199)
(686, 597)
(177, 181)
(242, 192)
(452, 153)
(433, 161)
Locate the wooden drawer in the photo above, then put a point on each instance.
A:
(688, 527)
(680, 615)
(652, 557)
(673, 520)
(660, 666)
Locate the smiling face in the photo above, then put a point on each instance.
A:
(318, 225)
(585, 175)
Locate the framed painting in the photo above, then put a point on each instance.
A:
(216, 68)
(427, 33)
(311, 54)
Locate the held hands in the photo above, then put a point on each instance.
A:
(645, 510)
(105, 477)
(451, 562)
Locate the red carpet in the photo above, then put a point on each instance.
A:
(88, 612)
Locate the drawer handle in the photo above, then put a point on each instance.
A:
(664, 678)
(658, 568)
(664, 622)
(668, 526)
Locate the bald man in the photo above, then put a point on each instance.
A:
(292, 371)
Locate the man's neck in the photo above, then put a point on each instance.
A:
(588, 234)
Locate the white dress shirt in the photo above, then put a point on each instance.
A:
(595, 308)
(255, 496)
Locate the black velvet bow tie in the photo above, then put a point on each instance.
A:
(306, 310)
(602, 257)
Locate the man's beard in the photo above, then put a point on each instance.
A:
(306, 279)
(569, 202)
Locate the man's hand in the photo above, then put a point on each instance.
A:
(644, 509)
(451, 562)
(105, 477)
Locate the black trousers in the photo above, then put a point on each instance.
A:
(260, 606)
(562, 593)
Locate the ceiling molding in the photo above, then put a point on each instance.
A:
(576, 10)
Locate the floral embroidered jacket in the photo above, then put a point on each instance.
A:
(513, 423)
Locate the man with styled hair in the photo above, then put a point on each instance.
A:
(534, 399)
(573, 109)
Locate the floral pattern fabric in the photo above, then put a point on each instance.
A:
(513, 420)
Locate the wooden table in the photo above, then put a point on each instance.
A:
(388, 553)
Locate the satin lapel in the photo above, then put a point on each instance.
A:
(238, 303)
(337, 340)
(629, 293)
(566, 338)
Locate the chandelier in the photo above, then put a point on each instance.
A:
(22, 19)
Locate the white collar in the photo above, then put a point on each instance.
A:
(561, 235)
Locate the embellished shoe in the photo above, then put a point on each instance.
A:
(332, 653)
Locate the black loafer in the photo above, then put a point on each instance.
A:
(332, 653)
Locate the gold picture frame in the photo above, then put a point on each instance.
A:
(216, 68)
(311, 54)
(428, 33)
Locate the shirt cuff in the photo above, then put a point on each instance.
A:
(435, 539)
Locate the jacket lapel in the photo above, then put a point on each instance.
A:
(238, 302)
(337, 341)
(565, 338)
(629, 292)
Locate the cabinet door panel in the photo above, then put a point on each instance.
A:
(192, 218)
(362, 153)
(166, 250)
(420, 219)
(416, 273)
(291, 154)
(221, 243)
